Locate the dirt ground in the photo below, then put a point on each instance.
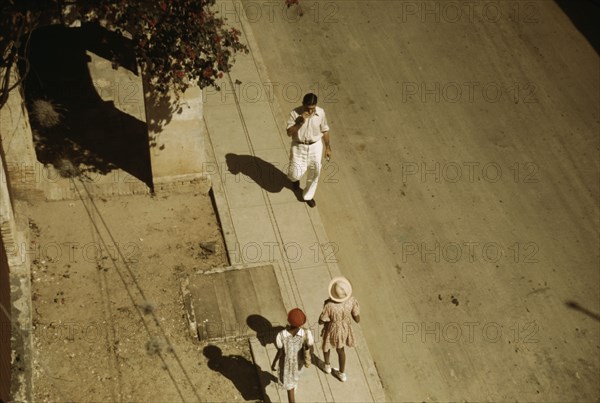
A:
(109, 323)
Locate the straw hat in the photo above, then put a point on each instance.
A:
(340, 289)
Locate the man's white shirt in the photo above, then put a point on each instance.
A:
(313, 127)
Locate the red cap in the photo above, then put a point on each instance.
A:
(296, 317)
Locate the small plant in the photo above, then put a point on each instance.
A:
(153, 346)
(146, 307)
(66, 168)
(46, 113)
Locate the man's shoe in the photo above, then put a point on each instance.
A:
(296, 185)
(311, 203)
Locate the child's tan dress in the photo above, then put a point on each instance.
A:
(338, 332)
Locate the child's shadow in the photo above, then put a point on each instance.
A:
(317, 362)
(241, 372)
(265, 331)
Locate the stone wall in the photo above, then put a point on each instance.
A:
(5, 326)
(15, 298)
(17, 162)
(178, 152)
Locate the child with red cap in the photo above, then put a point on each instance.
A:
(290, 343)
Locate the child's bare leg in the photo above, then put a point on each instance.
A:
(291, 397)
(342, 356)
(326, 355)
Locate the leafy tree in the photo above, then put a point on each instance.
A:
(177, 43)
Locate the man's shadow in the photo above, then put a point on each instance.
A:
(263, 173)
(241, 372)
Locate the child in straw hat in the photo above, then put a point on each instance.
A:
(336, 317)
(290, 343)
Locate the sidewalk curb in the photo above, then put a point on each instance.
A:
(218, 195)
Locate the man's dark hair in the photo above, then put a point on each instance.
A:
(309, 99)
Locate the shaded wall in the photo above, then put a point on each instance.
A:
(91, 114)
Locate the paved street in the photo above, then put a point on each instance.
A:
(462, 195)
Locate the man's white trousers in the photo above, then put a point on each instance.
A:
(306, 158)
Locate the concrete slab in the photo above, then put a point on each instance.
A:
(312, 284)
(236, 302)
(224, 96)
(256, 240)
(225, 129)
(301, 244)
(242, 191)
(245, 71)
(263, 361)
(263, 131)
(356, 388)
(311, 387)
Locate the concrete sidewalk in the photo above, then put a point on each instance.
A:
(263, 221)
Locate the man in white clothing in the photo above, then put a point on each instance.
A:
(307, 125)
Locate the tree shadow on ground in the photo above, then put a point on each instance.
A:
(265, 331)
(73, 126)
(241, 372)
(263, 173)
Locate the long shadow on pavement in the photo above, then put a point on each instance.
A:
(263, 173)
(265, 331)
(241, 372)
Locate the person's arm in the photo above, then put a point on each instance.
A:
(356, 311)
(310, 341)
(324, 316)
(327, 145)
(297, 124)
(279, 351)
(325, 131)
